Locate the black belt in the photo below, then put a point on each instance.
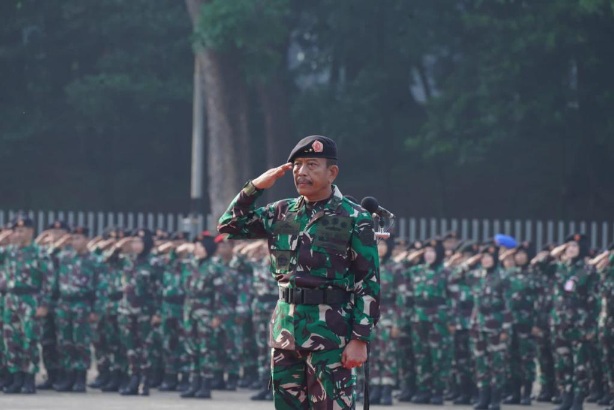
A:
(174, 299)
(430, 303)
(23, 291)
(115, 296)
(76, 298)
(267, 298)
(304, 296)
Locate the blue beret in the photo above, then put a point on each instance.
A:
(506, 241)
(314, 146)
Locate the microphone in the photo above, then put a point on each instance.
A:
(371, 205)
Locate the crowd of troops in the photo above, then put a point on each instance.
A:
(472, 323)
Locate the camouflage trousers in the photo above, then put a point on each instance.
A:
(245, 341)
(406, 363)
(74, 335)
(383, 356)
(545, 358)
(261, 320)
(156, 349)
(173, 339)
(571, 360)
(489, 356)
(198, 331)
(606, 338)
(137, 340)
(597, 373)
(311, 380)
(106, 338)
(49, 338)
(433, 353)
(224, 346)
(522, 354)
(21, 333)
(463, 360)
(2, 347)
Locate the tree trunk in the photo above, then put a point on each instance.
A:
(225, 92)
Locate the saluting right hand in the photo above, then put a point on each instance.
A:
(268, 179)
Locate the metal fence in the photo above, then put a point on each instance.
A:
(601, 234)
(539, 232)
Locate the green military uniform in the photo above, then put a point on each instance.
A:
(27, 272)
(201, 280)
(406, 360)
(79, 284)
(607, 324)
(522, 296)
(4, 373)
(430, 325)
(329, 246)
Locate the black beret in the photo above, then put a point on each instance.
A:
(180, 236)
(58, 224)
(81, 230)
(314, 146)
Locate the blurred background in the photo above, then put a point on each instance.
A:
(442, 109)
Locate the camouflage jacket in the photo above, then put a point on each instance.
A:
(522, 294)
(462, 298)
(491, 312)
(141, 279)
(27, 268)
(576, 297)
(607, 291)
(244, 281)
(203, 282)
(405, 294)
(81, 277)
(390, 309)
(265, 288)
(329, 244)
(432, 294)
(545, 282)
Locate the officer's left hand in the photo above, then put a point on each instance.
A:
(93, 318)
(503, 337)
(41, 312)
(156, 320)
(354, 354)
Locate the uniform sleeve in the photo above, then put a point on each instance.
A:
(100, 288)
(48, 282)
(242, 220)
(365, 267)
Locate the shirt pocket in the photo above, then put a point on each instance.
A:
(330, 244)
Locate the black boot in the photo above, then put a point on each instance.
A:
(80, 380)
(421, 398)
(264, 394)
(16, 385)
(514, 397)
(65, 383)
(386, 396)
(407, 390)
(155, 377)
(169, 383)
(250, 374)
(132, 388)
(375, 394)
(52, 376)
(452, 392)
(495, 399)
(437, 398)
(204, 392)
(566, 401)
(231, 384)
(113, 384)
(218, 382)
(597, 393)
(464, 396)
(29, 387)
(6, 379)
(545, 394)
(144, 386)
(483, 399)
(527, 391)
(578, 402)
(102, 379)
(184, 384)
(194, 387)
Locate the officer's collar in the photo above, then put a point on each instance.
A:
(332, 204)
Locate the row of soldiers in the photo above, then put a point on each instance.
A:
(468, 322)
(460, 321)
(158, 309)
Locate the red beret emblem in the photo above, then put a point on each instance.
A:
(317, 146)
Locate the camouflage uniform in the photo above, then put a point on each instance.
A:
(607, 323)
(49, 327)
(27, 272)
(545, 348)
(431, 336)
(78, 281)
(574, 321)
(522, 296)
(3, 369)
(406, 360)
(141, 278)
(173, 296)
(325, 245)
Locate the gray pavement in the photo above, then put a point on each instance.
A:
(95, 400)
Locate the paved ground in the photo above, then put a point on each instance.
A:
(94, 400)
